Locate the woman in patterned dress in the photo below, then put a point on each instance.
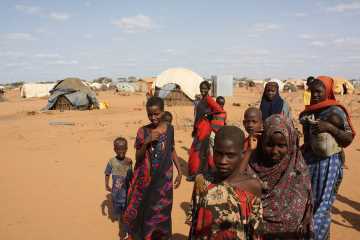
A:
(150, 197)
(286, 196)
(227, 205)
(325, 116)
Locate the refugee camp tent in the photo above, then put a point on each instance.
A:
(71, 94)
(172, 95)
(2, 93)
(144, 84)
(342, 86)
(29, 90)
(125, 87)
(187, 81)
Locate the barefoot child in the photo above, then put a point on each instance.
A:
(226, 205)
(120, 168)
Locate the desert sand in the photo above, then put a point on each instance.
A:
(51, 176)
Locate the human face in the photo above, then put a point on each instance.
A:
(120, 149)
(252, 122)
(227, 156)
(270, 91)
(154, 114)
(204, 90)
(275, 147)
(318, 93)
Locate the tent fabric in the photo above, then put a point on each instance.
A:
(125, 87)
(166, 90)
(29, 90)
(187, 80)
(339, 82)
(78, 94)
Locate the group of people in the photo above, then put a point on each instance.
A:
(263, 186)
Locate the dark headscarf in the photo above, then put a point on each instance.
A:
(287, 197)
(274, 107)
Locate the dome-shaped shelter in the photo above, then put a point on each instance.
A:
(187, 80)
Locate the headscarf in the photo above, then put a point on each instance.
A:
(275, 106)
(287, 197)
(330, 100)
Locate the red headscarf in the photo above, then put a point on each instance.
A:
(330, 100)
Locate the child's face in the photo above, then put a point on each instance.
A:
(318, 93)
(227, 156)
(270, 91)
(154, 114)
(275, 147)
(252, 122)
(120, 149)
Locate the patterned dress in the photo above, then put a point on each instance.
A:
(121, 172)
(224, 212)
(151, 191)
(326, 175)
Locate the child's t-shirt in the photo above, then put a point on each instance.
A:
(121, 171)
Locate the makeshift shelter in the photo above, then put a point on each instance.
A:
(29, 90)
(144, 84)
(125, 87)
(72, 94)
(187, 82)
(343, 86)
(172, 95)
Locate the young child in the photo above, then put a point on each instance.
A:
(227, 204)
(218, 120)
(120, 168)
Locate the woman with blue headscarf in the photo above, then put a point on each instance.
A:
(271, 102)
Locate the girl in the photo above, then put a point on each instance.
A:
(287, 195)
(226, 205)
(327, 130)
(271, 102)
(200, 160)
(151, 190)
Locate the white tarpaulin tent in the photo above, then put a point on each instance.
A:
(29, 90)
(187, 80)
(224, 86)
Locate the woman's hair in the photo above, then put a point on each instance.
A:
(208, 85)
(155, 101)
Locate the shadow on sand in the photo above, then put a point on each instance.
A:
(351, 218)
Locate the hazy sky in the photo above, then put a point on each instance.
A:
(47, 40)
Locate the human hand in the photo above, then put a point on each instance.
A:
(108, 188)
(153, 136)
(177, 181)
(320, 127)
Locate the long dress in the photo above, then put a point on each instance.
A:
(224, 212)
(200, 159)
(150, 195)
(326, 174)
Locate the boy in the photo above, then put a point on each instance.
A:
(227, 204)
(120, 167)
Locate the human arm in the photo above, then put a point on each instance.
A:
(252, 142)
(142, 144)
(213, 105)
(177, 165)
(108, 171)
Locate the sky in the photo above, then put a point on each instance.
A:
(50, 40)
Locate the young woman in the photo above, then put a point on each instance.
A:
(272, 103)
(286, 196)
(150, 195)
(327, 130)
(200, 160)
(227, 204)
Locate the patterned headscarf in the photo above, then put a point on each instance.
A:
(287, 197)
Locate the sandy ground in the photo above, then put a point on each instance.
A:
(51, 177)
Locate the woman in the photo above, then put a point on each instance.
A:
(271, 102)
(327, 129)
(150, 195)
(200, 160)
(286, 195)
(227, 205)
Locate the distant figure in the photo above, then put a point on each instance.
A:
(200, 159)
(327, 131)
(272, 103)
(218, 119)
(307, 92)
(120, 168)
(226, 204)
(150, 200)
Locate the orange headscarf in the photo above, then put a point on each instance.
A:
(330, 100)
